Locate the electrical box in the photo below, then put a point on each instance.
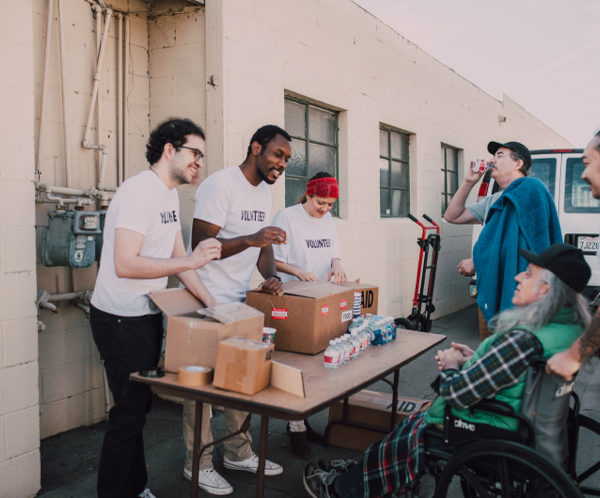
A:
(70, 239)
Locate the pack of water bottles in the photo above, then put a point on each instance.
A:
(364, 331)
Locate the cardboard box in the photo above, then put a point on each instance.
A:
(372, 408)
(193, 339)
(369, 299)
(307, 316)
(243, 365)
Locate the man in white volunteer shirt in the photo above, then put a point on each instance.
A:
(142, 246)
(234, 205)
(567, 363)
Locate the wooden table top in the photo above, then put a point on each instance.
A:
(322, 386)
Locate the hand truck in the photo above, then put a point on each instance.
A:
(430, 245)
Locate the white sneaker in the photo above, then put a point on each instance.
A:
(210, 481)
(251, 465)
(146, 494)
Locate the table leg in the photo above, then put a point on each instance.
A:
(196, 456)
(262, 456)
(395, 388)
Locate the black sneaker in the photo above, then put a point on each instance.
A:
(318, 482)
(299, 444)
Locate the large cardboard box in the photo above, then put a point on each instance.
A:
(307, 315)
(243, 365)
(369, 299)
(193, 339)
(369, 407)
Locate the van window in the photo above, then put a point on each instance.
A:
(544, 169)
(578, 197)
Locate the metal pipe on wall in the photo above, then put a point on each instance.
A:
(63, 78)
(50, 15)
(120, 99)
(98, 10)
(125, 95)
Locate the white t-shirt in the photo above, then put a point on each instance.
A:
(228, 200)
(143, 204)
(311, 242)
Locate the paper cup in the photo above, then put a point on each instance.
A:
(269, 335)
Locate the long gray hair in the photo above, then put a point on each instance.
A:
(538, 314)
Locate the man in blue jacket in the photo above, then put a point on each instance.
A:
(521, 215)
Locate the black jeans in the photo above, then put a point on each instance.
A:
(126, 344)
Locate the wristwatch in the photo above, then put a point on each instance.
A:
(277, 277)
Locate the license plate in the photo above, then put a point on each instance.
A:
(588, 244)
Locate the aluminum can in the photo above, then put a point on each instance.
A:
(480, 166)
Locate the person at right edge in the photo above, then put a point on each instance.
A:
(567, 363)
(521, 216)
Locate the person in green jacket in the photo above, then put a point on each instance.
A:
(549, 315)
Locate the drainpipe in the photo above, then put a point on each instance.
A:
(98, 10)
(63, 77)
(45, 78)
(125, 96)
(119, 16)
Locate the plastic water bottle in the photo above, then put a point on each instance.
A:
(347, 349)
(344, 358)
(366, 335)
(353, 339)
(358, 343)
(348, 342)
(377, 335)
(392, 326)
(332, 356)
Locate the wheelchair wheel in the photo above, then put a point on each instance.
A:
(503, 469)
(587, 456)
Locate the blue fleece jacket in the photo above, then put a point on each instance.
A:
(524, 216)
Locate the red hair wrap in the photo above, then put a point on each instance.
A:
(323, 187)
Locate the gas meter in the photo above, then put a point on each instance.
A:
(70, 239)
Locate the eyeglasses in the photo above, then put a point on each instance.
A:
(197, 152)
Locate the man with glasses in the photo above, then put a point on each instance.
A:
(234, 205)
(142, 247)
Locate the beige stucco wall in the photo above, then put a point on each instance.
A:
(334, 53)
(19, 406)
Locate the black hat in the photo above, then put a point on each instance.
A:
(516, 146)
(565, 261)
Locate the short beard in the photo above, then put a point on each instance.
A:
(178, 175)
(265, 178)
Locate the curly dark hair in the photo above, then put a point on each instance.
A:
(173, 131)
(266, 134)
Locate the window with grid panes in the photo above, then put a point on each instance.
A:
(394, 181)
(314, 135)
(449, 175)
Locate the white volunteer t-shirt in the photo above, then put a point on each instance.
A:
(143, 204)
(228, 200)
(311, 242)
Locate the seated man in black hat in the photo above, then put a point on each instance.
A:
(549, 315)
(521, 215)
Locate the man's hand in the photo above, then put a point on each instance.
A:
(450, 359)
(466, 351)
(267, 236)
(305, 276)
(271, 286)
(471, 177)
(563, 365)
(206, 251)
(466, 267)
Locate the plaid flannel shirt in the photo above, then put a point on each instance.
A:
(501, 367)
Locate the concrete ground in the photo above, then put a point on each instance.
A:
(70, 460)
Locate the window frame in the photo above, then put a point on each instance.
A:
(444, 193)
(307, 141)
(389, 159)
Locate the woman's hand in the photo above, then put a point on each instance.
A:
(305, 276)
(337, 272)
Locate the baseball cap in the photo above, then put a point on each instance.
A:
(565, 261)
(516, 146)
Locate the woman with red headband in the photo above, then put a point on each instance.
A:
(312, 253)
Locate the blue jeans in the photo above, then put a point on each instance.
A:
(127, 345)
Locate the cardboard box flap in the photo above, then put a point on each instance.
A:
(245, 343)
(229, 313)
(174, 302)
(357, 285)
(315, 290)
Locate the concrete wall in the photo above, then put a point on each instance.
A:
(334, 53)
(71, 384)
(19, 400)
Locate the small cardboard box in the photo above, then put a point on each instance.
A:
(372, 408)
(243, 365)
(369, 298)
(193, 339)
(307, 316)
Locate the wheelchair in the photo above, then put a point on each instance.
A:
(489, 462)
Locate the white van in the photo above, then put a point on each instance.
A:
(560, 170)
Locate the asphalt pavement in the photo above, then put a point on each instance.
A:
(70, 460)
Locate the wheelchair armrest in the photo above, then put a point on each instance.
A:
(494, 406)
